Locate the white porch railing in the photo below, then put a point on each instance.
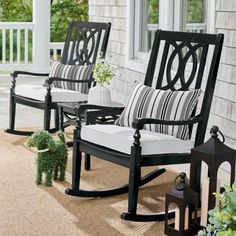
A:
(196, 27)
(56, 50)
(190, 27)
(16, 46)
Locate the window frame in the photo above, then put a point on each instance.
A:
(136, 60)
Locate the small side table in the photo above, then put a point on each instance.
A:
(98, 115)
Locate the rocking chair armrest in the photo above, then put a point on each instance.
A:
(14, 74)
(139, 123)
(51, 79)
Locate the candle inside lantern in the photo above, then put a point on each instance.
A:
(204, 206)
(186, 219)
(204, 200)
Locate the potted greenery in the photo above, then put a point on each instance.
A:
(103, 73)
(222, 218)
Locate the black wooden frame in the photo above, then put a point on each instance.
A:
(85, 33)
(136, 160)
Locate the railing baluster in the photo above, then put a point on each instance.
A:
(26, 46)
(18, 45)
(3, 46)
(11, 46)
(54, 54)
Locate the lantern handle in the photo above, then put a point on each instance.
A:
(214, 130)
(181, 181)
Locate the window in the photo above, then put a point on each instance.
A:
(146, 23)
(149, 15)
(196, 16)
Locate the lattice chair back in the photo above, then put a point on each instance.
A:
(84, 41)
(180, 59)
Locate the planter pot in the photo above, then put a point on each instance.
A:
(99, 95)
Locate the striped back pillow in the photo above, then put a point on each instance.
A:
(146, 102)
(74, 72)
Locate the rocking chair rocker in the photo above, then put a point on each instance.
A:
(156, 126)
(69, 80)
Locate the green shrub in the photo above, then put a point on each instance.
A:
(222, 218)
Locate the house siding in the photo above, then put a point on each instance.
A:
(224, 107)
(114, 11)
(223, 112)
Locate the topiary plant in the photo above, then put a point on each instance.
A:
(222, 218)
(51, 156)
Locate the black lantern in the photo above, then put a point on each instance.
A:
(214, 152)
(186, 199)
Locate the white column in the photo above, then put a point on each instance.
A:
(41, 35)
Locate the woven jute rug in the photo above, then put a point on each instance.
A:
(30, 209)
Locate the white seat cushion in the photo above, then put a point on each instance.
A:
(121, 139)
(38, 92)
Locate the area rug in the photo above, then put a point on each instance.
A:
(28, 209)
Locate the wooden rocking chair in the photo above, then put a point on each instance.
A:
(156, 126)
(85, 41)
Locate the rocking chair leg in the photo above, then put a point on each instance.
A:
(87, 161)
(47, 111)
(47, 118)
(87, 158)
(61, 119)
(134, 183)
(76, 163)
(12, 117)
(12, 114)
(134, 179)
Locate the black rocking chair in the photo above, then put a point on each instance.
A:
(173, 55)
(85, 41)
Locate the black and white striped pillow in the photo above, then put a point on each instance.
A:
(146, 102)
(74, 72)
